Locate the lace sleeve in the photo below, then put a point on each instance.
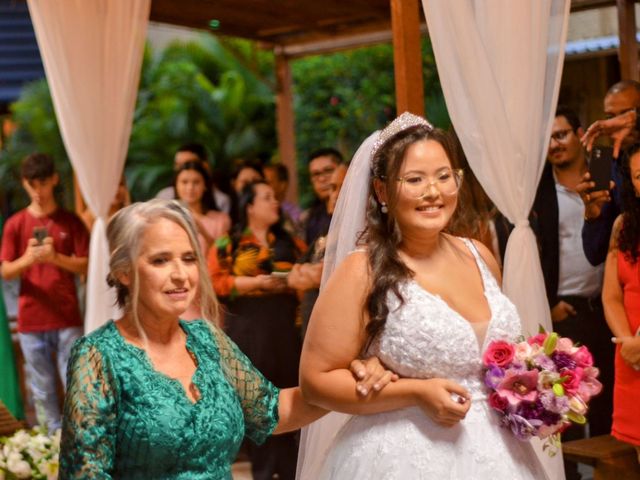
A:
(258, 396)
(88, 428)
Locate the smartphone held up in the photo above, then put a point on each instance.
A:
(600, 167)
(40, 233)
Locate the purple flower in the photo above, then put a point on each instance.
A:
(544, 362)
(493, 377)
(530, 410)
(522, 428)
(554, 403)
(563, 360)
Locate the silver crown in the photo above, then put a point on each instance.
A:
(404, 121)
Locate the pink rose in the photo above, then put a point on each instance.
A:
(564, 345)
(574, 377)
(537, 339)
(498, 353)
(497, 402)
(583, 357)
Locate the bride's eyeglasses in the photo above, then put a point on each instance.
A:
(447, 181)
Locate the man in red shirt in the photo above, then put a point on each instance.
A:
(45, 246)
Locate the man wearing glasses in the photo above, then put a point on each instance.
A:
(572, 283)
(322, 164)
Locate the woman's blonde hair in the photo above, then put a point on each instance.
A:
(125, 232)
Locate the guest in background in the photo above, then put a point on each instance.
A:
(316, 219)
(306, 275)
(194, 152)
(45, 246)
(602, 207)
(277, 175)
(621, 298)
(121, 199)
(248, 270)
(192, 185)
(243, 174)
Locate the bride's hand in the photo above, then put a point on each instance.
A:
(444, 401)
(371, 375)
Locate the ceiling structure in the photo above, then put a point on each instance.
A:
(295, 25)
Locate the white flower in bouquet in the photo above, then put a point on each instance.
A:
(17, 465)
(50, 468)
(30, 454)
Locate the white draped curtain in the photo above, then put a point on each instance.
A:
(500, 64)
(92, 53)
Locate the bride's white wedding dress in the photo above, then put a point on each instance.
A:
(425, 338)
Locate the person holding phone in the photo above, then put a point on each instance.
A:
(604, 205)
(45, 246)
(246, 269)
(572, 284)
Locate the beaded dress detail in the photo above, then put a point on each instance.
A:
(124, 419)
(425, 338)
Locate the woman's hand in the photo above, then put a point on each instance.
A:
(305, 276)
(629, 350)
(371, 375)
(271, 283)
(444, 401)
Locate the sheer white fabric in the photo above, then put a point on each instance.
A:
(425, 338)
(92, 54)
(500, 64)
(347, 223)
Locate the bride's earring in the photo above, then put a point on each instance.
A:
(384, 208)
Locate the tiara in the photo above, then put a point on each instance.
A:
(404, 121)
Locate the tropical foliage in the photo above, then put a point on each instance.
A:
(221, 93)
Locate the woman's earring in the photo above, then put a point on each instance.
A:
(384, 208)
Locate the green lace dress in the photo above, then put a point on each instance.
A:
(123, 419)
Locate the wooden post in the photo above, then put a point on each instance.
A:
(407, 56)
(285, 123)
(628, 51)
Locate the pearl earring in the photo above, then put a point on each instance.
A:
(384, 208)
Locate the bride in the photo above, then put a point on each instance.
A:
(426, 303)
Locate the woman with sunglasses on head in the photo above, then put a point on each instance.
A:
(426, 303)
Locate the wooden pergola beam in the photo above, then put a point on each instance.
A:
(407, 56)
(285, 122)
(628, 51)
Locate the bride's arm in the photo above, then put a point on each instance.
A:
(335, 336)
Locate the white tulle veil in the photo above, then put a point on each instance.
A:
(347, 223)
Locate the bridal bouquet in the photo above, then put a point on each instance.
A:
(29, 454)
(540, 385)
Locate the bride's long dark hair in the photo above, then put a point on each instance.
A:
(382, 234)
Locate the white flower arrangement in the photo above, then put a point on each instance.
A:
(30, 454)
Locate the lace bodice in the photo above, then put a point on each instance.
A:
(425, 338)
(123, 419)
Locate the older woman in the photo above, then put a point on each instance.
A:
(149, 395)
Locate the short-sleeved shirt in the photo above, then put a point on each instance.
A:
(48, 299)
